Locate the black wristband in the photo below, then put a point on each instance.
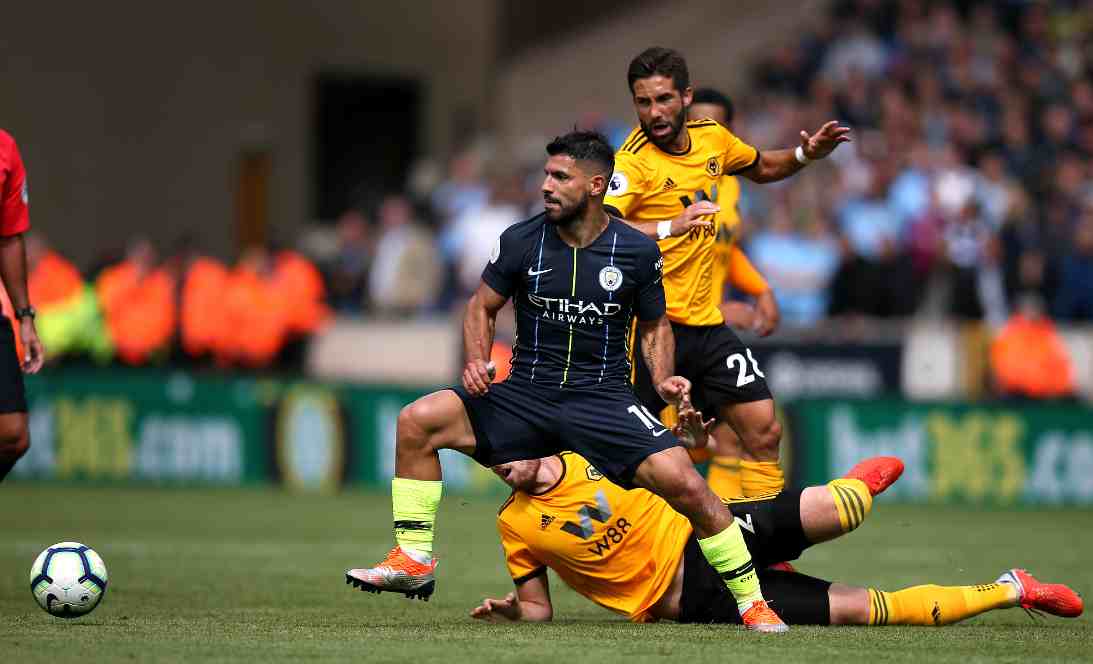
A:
(25, 312)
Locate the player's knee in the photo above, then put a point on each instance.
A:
(691, 492)
(764, 442)
(411, 431)
(14, 442)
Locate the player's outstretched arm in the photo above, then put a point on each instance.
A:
(479, 324)
(530, 602)
(777, 165)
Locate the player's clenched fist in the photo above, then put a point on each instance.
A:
(692, 217)
(674, 389)
(477, 376)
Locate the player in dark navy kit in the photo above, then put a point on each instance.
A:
(578, 278)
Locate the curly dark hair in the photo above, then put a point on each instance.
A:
(659, 61)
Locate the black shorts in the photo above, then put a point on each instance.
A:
(518, 420)
(773, 533)
(722, 370)
(13, 396)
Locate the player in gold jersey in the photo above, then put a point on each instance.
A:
(629, 552)
(732, 267)
(666, 181)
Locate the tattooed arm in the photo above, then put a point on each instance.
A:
(658, 348)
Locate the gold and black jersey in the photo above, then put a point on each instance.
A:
(618, 548)
(651, 185)
(728, 221)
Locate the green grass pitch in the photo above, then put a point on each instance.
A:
(256, 575)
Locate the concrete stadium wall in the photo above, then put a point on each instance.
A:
(132, 115)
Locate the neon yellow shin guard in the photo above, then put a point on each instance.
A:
(413, 505)
(727, 553)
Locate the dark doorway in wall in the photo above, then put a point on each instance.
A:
(366, 137)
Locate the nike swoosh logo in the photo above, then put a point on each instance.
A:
(535, 273)
(660, 433)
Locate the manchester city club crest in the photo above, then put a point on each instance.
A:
(610, 278)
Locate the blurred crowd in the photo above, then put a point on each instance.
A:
(141, 308)
(966, 194)
(968, 183)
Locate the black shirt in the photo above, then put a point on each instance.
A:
(574, 307)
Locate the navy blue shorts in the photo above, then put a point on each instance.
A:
(13, 398)
(518, 420)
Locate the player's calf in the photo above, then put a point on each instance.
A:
(834, 509)
(14, 442)
(760, 436)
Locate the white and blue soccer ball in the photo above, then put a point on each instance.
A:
(68, 580)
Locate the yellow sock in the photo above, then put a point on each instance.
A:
(724, 477)
(852, 500)
(414, 504)
(761, 478)
(938, 605)
(727, 553)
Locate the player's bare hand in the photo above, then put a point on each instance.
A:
(674, 389)
(692, 217)
(740, 315)
(691, 430)
(767, 315)
(498, 610)
(477, 376)
(34, 354)
(824, 141)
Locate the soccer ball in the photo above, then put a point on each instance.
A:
(68, 580)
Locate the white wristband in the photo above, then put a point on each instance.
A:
(800, 154)
(664, 230)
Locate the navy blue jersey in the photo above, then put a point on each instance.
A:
(574, 307)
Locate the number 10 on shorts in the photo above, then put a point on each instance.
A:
(650, 422)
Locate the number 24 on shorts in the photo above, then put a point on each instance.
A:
(743, 377)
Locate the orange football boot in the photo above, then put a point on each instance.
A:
(878, 473)
(1035, 595)
(399, 572)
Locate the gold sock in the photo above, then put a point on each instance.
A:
(761, 478)
(937, 605)
(724, 477)
(852, 500)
